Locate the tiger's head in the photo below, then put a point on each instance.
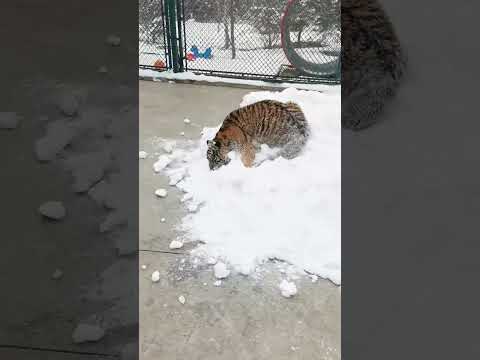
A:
(217, 154)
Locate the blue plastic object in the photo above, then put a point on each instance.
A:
(206, 55)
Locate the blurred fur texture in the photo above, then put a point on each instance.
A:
(373, 62)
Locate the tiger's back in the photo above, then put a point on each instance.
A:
(269, 122)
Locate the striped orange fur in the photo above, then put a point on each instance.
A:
(267, 122)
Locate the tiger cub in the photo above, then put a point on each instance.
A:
(276, 124)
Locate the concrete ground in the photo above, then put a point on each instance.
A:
(243, 318)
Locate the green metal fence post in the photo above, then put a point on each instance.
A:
(172, 34)
(181, 26)
(166, 29)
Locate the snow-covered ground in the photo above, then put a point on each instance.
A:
(288, 210)
(190, 76)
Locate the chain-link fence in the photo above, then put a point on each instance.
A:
(264, 39)
(151, 34)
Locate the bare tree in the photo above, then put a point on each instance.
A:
(232, 28)
(222, 16)
(150, 21)
(265, 17)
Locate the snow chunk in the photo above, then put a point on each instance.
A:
(176, 177)
(245, 270)
(182, 133)
(142, 154)
(288, 289)
(57, 274)
(169, 146)
(87, 333)
(217, 283)
(186, 197)
(156, 276)
(84, 174)
(144, 267)
(161, 193)
(175, 244)
(221, 271)
(187, 121)
(114, 218)
(53, 210)
(181, 299)
(162, 220)
(193, 207)
(59, 134)
(211, 261)
(162, 163)
(68, 104)
(8, 120)
(113, 40)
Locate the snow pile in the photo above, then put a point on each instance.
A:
(285, 209)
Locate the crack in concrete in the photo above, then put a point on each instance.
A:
(162, 251)
(64, 351)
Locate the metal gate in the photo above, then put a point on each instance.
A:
(244, 39)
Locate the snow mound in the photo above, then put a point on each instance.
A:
(283, 209)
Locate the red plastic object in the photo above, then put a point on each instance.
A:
(159, 64)
(191, 57)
